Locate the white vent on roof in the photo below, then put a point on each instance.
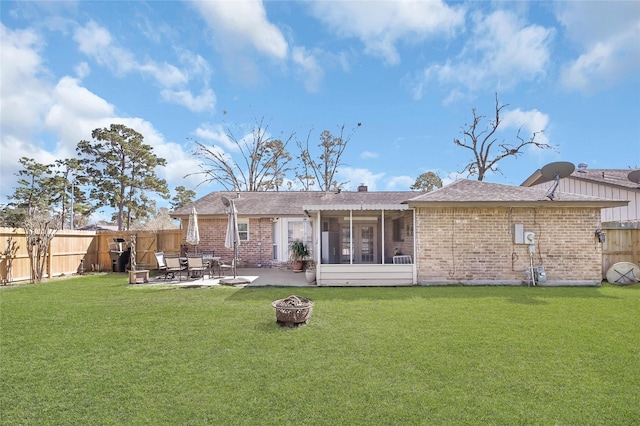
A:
(582, 168)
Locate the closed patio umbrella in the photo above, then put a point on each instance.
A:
(232, 239)
(233, 234)
(193, 233)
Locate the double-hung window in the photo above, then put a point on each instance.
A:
(243, 229)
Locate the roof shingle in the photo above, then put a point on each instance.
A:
(283, 203)
(473, 191)
(461, 192)
(615, 177)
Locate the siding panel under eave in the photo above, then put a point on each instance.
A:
(362, 275)
(630, 212)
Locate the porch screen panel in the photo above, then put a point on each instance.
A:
(367, 244)
(346, 245)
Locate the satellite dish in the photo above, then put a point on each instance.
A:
(555, 172)
(226, 201)
(634, 176)
(623, 273)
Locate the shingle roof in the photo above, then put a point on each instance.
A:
(471, 192)
(618, 177)
(615, 177)
(461, 192)
(285, 203)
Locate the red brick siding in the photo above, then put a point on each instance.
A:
(251, 253)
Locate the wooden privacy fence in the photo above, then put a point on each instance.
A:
(90, 249)
(72, 250)
(147, 243)
(622, 244)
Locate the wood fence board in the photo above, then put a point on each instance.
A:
(621, 245)
(71, 249)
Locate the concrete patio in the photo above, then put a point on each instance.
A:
(255, 277)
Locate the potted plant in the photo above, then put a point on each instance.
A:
(310, 271)
(298, 252)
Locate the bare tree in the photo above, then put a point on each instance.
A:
(39, 228)
(8, 255)
(262, 166)
(487, 151)
(319, 171)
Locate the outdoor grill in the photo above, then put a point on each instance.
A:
(120, 253)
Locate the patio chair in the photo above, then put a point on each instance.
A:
(174, 266)
(225, 266)
(162, 265)
(210, 261)
(195, 265)
(402, 259)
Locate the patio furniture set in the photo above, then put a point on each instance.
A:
(171, 265)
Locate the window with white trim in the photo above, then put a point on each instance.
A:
(243, 229)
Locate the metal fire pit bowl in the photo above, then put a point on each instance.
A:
(292, 311)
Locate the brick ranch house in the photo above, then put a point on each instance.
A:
(467, 232)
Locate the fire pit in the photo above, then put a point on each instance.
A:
(292, 311)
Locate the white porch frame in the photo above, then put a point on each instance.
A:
(357, 274)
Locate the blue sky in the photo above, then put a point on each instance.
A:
(410, 72)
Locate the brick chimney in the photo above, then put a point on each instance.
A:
(362, 188)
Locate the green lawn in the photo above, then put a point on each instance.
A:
(92, 350)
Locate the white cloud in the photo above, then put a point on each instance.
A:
(82, 70)
(309, 68)
(22, 88)
(502, 51)
(97, 43)
(609, 33)
(591, 22)
(166, 75)
(355, 177)
(181, 165)
(400, 183)
(72, 103)
(382, 25)
(203, 102)
(24, 100)
(368, 154)
(242, 24)
(60, 115)
(216, 135)
(240, 29)
(529, 121)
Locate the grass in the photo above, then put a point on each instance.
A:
(91, 350)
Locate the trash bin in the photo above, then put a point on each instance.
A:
(115, 258)
(119, 254)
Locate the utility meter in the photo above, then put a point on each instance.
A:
(529, 237)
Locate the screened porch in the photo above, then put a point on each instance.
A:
(363, 245)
